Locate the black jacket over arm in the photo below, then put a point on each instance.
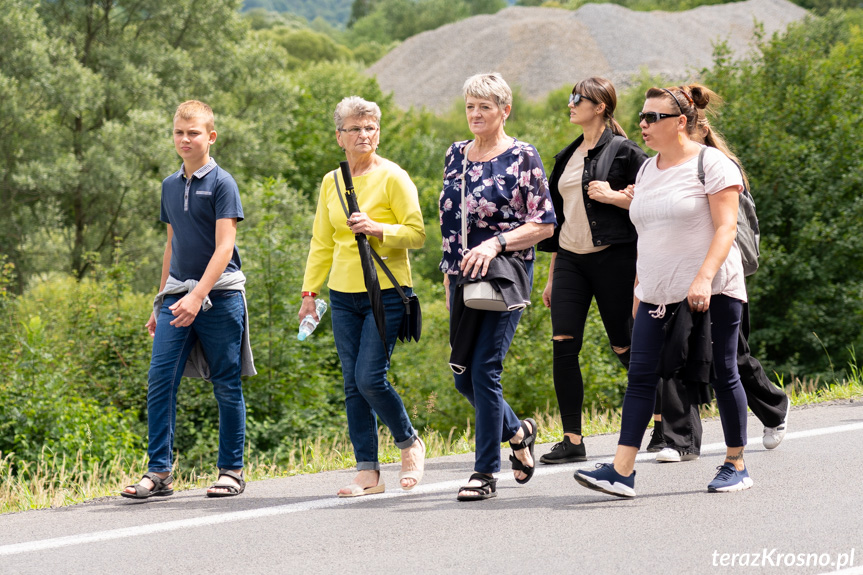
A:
(608, 224)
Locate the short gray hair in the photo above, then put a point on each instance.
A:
(355, 107)
(489, 87)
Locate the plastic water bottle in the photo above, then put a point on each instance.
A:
(309, 324)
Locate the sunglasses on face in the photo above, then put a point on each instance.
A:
(574, 99)
(653, 117)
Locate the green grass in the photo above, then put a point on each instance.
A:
(57, 480)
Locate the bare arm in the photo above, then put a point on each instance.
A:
(602, 192)
(166, 270)
(546, 293)
(723, 211)
(186, 309)
(525, 236)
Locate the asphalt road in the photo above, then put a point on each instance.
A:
(805, 507)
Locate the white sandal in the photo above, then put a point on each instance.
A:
(415, 474)
(357, 491)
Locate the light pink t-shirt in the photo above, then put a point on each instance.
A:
(671, 213)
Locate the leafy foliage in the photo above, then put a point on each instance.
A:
(794, 114)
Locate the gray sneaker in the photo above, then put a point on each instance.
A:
(773, 436)
(671, 455)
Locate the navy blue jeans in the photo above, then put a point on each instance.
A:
(220, 332)
(496, 422)
(647, 339)
(368, 394)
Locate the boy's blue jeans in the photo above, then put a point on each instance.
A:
(220, 331)
(368, 394)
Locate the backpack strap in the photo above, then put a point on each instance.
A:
(701, 177)
(606, 158)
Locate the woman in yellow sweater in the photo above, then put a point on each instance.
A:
(391, 219)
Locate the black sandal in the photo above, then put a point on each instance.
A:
(528, 442)
(486, 490)
(232, 490)
(160, 487)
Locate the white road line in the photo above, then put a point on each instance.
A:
(121, 533)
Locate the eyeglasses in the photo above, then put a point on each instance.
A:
(574, 99)
(653, 117)
(357, 130)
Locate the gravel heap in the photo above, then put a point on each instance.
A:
(543, 49)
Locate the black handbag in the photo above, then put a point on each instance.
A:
(411, 327)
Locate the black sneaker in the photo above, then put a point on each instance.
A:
(657, 440)
(565, 452)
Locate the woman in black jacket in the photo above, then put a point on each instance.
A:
(593, 248)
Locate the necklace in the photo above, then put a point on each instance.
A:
(489, 153)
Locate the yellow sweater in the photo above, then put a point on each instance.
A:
(389, 197)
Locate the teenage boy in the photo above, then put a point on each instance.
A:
(199, 323)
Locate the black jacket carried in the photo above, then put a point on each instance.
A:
(509, 276)
(608, 224)
(687, 346)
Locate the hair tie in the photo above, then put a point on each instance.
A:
(688, 97)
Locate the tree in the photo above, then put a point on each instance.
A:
(794, 115)
(38, 75)
(128, 63)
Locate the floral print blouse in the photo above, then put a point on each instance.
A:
(501, 194)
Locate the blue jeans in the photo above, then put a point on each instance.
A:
(480, 384)
(220, 333)
(647, 337)
(368, 394)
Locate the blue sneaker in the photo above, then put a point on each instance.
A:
(604, 478)
(729, 479)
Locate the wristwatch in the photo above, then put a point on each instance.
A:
(502, 241)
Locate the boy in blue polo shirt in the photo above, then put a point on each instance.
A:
(199, 323)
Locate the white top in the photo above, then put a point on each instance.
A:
(575, 233)
(671, 213)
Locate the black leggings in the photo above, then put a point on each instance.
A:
(608, 276)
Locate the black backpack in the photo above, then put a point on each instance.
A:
(748, 233)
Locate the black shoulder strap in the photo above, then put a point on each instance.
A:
(606, 158)
(375, 255)
(339, 193)
(701, 177)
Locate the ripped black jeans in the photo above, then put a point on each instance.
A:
(609, 277)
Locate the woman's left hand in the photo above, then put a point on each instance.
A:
(361, 223)
(601, 192)
(477, 259)
(699, 295)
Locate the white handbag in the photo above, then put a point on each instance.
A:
(478, 294)
(482, 295)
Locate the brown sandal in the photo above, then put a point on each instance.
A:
(162, 487)
(232, 490)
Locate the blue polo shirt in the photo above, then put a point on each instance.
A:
(192, 207)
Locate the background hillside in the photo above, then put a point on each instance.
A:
(541, 49)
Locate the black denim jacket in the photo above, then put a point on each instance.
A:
(608, 224)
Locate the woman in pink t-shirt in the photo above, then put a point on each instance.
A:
(688, 263)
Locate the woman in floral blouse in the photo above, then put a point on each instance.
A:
(509, 209)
